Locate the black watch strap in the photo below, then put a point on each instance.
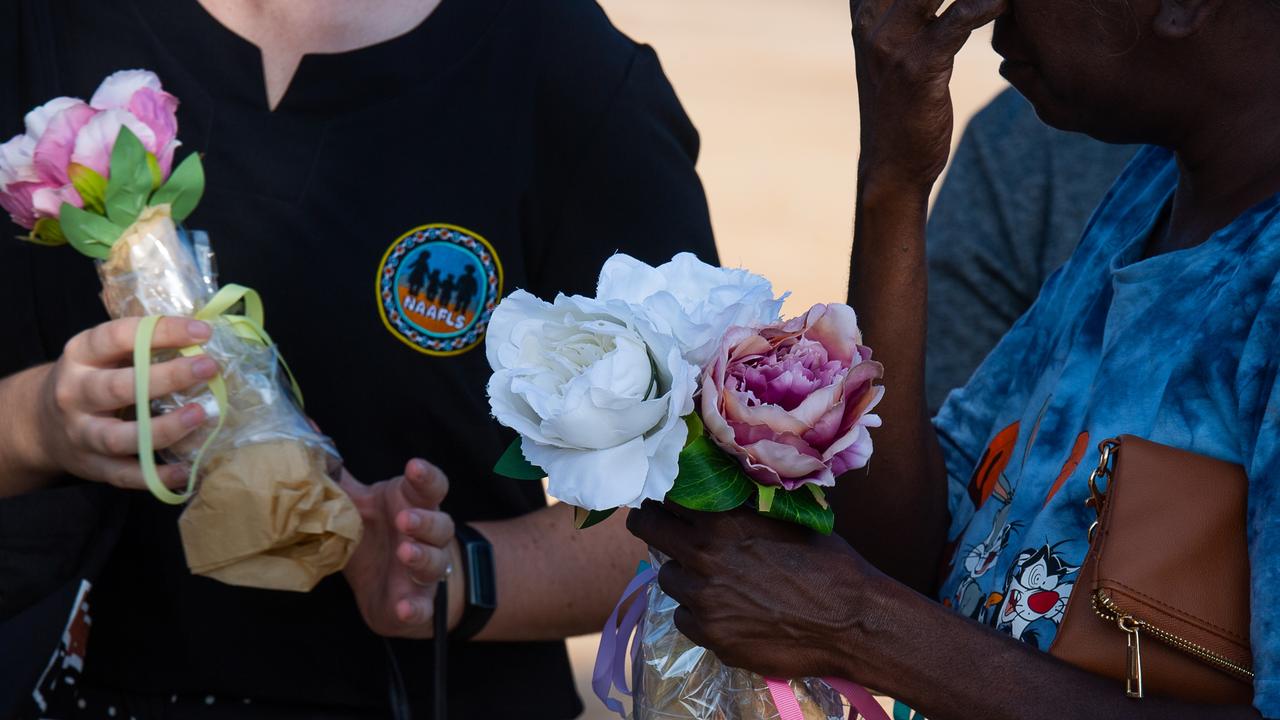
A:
(480, 587)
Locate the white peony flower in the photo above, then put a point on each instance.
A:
(694, 301)
(597, 393)
(118, 89)
(17, 162)
(37, 121)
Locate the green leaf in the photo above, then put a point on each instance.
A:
(184, 189)
(90, 234)
(157, 175)
(696, 428)
(130, 181)
(818, 494)
(513, 464)
(583, 519)
(47, 232)
(91, 186)
(766, 494)
(800, 506)
(709, 479)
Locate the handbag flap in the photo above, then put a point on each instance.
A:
(1172, 550)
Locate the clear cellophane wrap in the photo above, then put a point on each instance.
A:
(267, 512)
(674, 678)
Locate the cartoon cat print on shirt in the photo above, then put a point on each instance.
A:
(1036, 591)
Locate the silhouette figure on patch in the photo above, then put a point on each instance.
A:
(418, 274)
(467, 287)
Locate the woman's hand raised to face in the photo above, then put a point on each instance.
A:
(905, 52)
(764, 595)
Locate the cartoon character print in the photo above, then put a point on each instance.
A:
(1035, 596)
(969, 600)
(988, 481)
(1030, 602)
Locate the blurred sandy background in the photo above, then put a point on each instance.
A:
(770, 86)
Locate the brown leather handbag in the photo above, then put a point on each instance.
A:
(1162, 600)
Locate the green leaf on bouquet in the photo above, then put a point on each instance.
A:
(130, 182)
(90, 234)
(801, 506)
(184, 189)
(157, 175)
(709, 479)
(696, 428)
(91, 186)
(513, 464)
(583, 519)
(47, 232)
(765, 495)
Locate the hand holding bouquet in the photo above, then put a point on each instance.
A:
(603, 392)
(100, 176)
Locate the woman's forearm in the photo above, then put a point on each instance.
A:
(896, 515)
(23, 464)
(949, 667)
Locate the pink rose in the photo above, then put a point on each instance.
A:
(34, 177)
(791, 400)
(138, 92)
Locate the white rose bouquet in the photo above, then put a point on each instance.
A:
(681, 383)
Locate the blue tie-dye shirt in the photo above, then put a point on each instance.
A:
(1181, 348)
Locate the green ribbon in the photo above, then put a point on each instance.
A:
(248, 326)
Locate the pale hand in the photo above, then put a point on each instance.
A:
(407, 548)
(82, 394)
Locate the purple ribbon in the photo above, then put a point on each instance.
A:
(611, 659)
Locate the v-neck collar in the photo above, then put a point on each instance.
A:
(230, 67)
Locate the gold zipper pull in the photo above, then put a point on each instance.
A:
(1133, 657)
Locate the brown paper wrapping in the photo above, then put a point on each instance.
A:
(267, 513)
(269, 516)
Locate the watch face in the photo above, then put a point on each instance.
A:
(482, 590)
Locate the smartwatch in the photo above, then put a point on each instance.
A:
(480, 585)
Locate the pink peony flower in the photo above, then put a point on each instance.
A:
(790, 401)
(34, 178)
(139, 93)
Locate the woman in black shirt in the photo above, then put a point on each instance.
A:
(531, 135)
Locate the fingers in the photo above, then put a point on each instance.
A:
(426, 526)
(866, 14)
(426, 564)
(954, 26)
(416, 610)
(116, 438)
(687, 623)
(111, 390)
(425, 485)
(111, 343)
(678, 582)
(661, 529)
(127, 474)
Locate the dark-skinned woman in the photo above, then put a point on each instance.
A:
(1163, 325)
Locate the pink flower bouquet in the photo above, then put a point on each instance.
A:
(100, 177)
(681, 383)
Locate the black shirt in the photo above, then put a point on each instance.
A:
(529, 130)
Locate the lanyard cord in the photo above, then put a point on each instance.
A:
(440, 644)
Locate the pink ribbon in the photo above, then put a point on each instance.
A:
(619, 637)
(859, 699)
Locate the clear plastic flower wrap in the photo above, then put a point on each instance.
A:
(675, 678)
(267, 512)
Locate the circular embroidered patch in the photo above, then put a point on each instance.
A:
(437, 288)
